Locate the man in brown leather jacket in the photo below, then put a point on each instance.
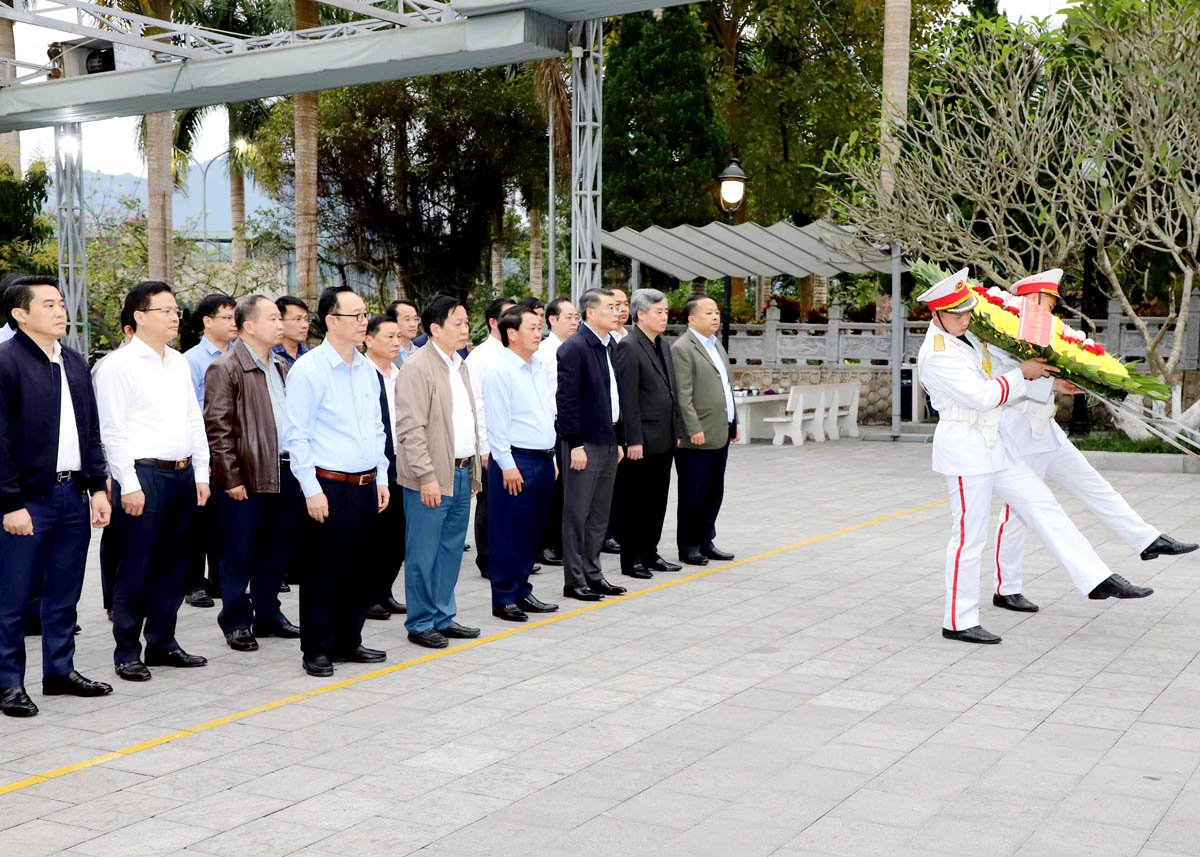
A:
(258, 499)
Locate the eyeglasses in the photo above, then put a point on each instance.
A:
(223, 317)
(302, 318)
(357, 316)
(175, 311)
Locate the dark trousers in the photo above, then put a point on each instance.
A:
(641, 506)
(481, 524)
(387, 546)
(701, 475)
(110, 556)
(204, 548)
(153, 569)
(515, 532)
(50, 561)
(552, 531)
(433, 554)
(258, 532)
(337, 584)
(587, 499)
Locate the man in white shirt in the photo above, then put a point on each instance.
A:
(622, 307)
(153, 434)
(383, 347)
(479, 362)
(563, 319)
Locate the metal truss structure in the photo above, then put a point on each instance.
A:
(587, 121)
(183, 66)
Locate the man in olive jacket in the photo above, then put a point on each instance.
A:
(709, 424)
(259, 502)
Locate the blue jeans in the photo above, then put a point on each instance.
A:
(434, 552)
(50, 561)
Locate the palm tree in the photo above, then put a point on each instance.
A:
(897, 21)
(305, 109)
(10, 143)
(551, 91)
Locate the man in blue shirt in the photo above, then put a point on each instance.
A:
(51, 459)
(520, 420)
(335, 441)
(204, 540)
(408, 318)
(294, 313)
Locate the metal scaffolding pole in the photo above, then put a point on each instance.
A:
(72, 252)
(587, 111)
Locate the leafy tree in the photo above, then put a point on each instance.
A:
(25, 232)
(662, 144)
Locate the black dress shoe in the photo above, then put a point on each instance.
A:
(637, 570)
(611, 546)
(73, 684)
(362, 655)
(510, 613)
(975, 634)
(551, 557)
(537, 569)
(133, 671)
(109, 612)
(1115, 586)
(378, 611)
(1016, 602)
(693, 558)
(484, 574)
(318, 666)
(714, 553)
(458, 632)
(174, 658)
(77, 629)
(605, 588)
(284, 630)
(530, 604)
(394, 606)
(241, 640)
(1164, 545)
(581, 593)
(283, 587)
(428, 638)
(199, 598)
(15, 702)
(661, 564)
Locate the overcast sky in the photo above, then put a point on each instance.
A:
(109, 146)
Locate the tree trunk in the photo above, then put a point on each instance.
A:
(10, 143)
(305, 107)
(160, 188)
(498, 255)
(237, 211)
(536, 264)
(897, 26)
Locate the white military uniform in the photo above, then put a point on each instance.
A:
(972, 453)
(1029, 429)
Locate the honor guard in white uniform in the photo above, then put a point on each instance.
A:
(1029, 428)
(969, 450)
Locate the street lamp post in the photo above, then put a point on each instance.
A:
(732, 196)
(238, 145)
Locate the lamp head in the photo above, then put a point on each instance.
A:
(733, 186)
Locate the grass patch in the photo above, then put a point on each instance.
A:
(1116, 441)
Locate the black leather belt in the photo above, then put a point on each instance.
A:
(66, 475)
(165, 463)
(536, 453)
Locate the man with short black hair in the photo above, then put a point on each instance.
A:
(563, 320)
(406, 315)
(383, 349)
(336, 443)
(157, 450)
(51, 459)
(216, 312)
(257, 497)
(294, 313)
(479, 363)
(438, 466)
(590, 437)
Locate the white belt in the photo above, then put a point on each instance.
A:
(1039, 414)
(988, 422)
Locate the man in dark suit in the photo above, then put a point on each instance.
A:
(51, 459)
(646, 375)
(709, 424)
(589, 428)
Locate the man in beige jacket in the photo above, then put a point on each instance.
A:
(437, 464)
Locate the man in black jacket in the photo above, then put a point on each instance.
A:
(646, 376)
(51, 459)
(589, 428)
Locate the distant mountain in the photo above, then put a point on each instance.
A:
(102, 191)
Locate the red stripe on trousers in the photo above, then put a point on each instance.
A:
(962, 538)
(999, 536)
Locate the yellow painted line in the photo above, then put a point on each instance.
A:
(442, 653)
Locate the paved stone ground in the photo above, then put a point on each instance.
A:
(803, 703)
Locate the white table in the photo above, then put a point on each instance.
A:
(752, 409)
